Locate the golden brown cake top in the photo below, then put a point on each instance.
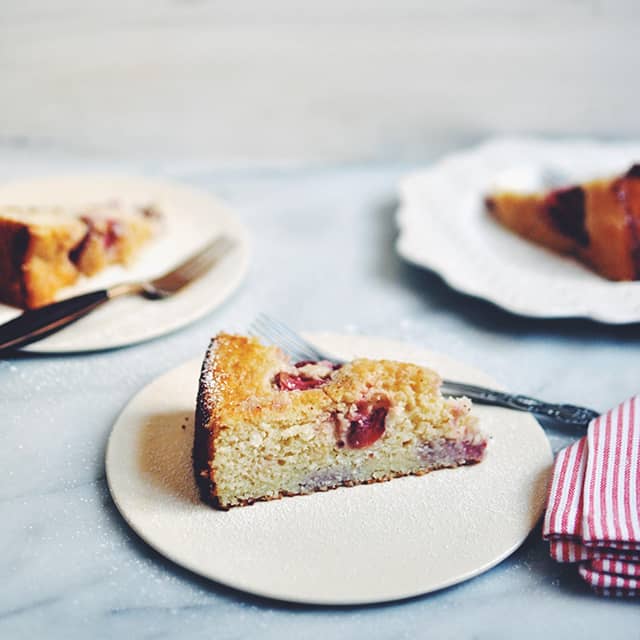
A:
(245, 381)
(238, 383)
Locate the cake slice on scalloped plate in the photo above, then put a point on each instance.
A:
(598, 222)
(268, 428)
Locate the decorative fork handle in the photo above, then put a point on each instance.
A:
(280, 334)
(566, 414)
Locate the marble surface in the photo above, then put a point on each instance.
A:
(324, 260)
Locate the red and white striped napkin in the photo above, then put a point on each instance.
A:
(593, 512)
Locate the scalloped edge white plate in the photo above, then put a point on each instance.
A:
(191, 218)
(443, 226)
(358, 545)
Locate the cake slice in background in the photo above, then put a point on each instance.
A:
(267, 428)
(598, 222)
(43, 249)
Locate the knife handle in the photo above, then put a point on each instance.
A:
(37, 323)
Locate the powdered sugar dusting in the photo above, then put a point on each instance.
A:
(210, 384)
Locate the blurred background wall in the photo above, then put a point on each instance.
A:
(330, 80)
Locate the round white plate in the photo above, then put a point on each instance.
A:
(191, 219)
(356, 545)
(444, 227)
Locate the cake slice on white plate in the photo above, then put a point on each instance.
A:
(268, 428)
(43, 249)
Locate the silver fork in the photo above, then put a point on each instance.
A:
(278, 333)
(38, 323)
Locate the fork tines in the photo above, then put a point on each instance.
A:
(279, 334)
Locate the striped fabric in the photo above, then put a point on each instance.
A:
(593, 510)
(569, 551)
(611, 515)
(617, 567)
(601, 580)
(563, 517)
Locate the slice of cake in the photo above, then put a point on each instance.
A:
(598, 222)
(267, 428)
(44, 249)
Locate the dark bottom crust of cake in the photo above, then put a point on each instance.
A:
(207, 486)
(202, 473)
(203, 441)
(14, 241)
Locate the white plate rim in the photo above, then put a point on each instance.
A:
(246, 586)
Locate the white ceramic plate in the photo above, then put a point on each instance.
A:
(356, 545)
(443, 226)
(192, 218)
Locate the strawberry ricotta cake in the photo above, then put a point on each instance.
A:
(267, 427)
(598, 222)
(43, 249)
